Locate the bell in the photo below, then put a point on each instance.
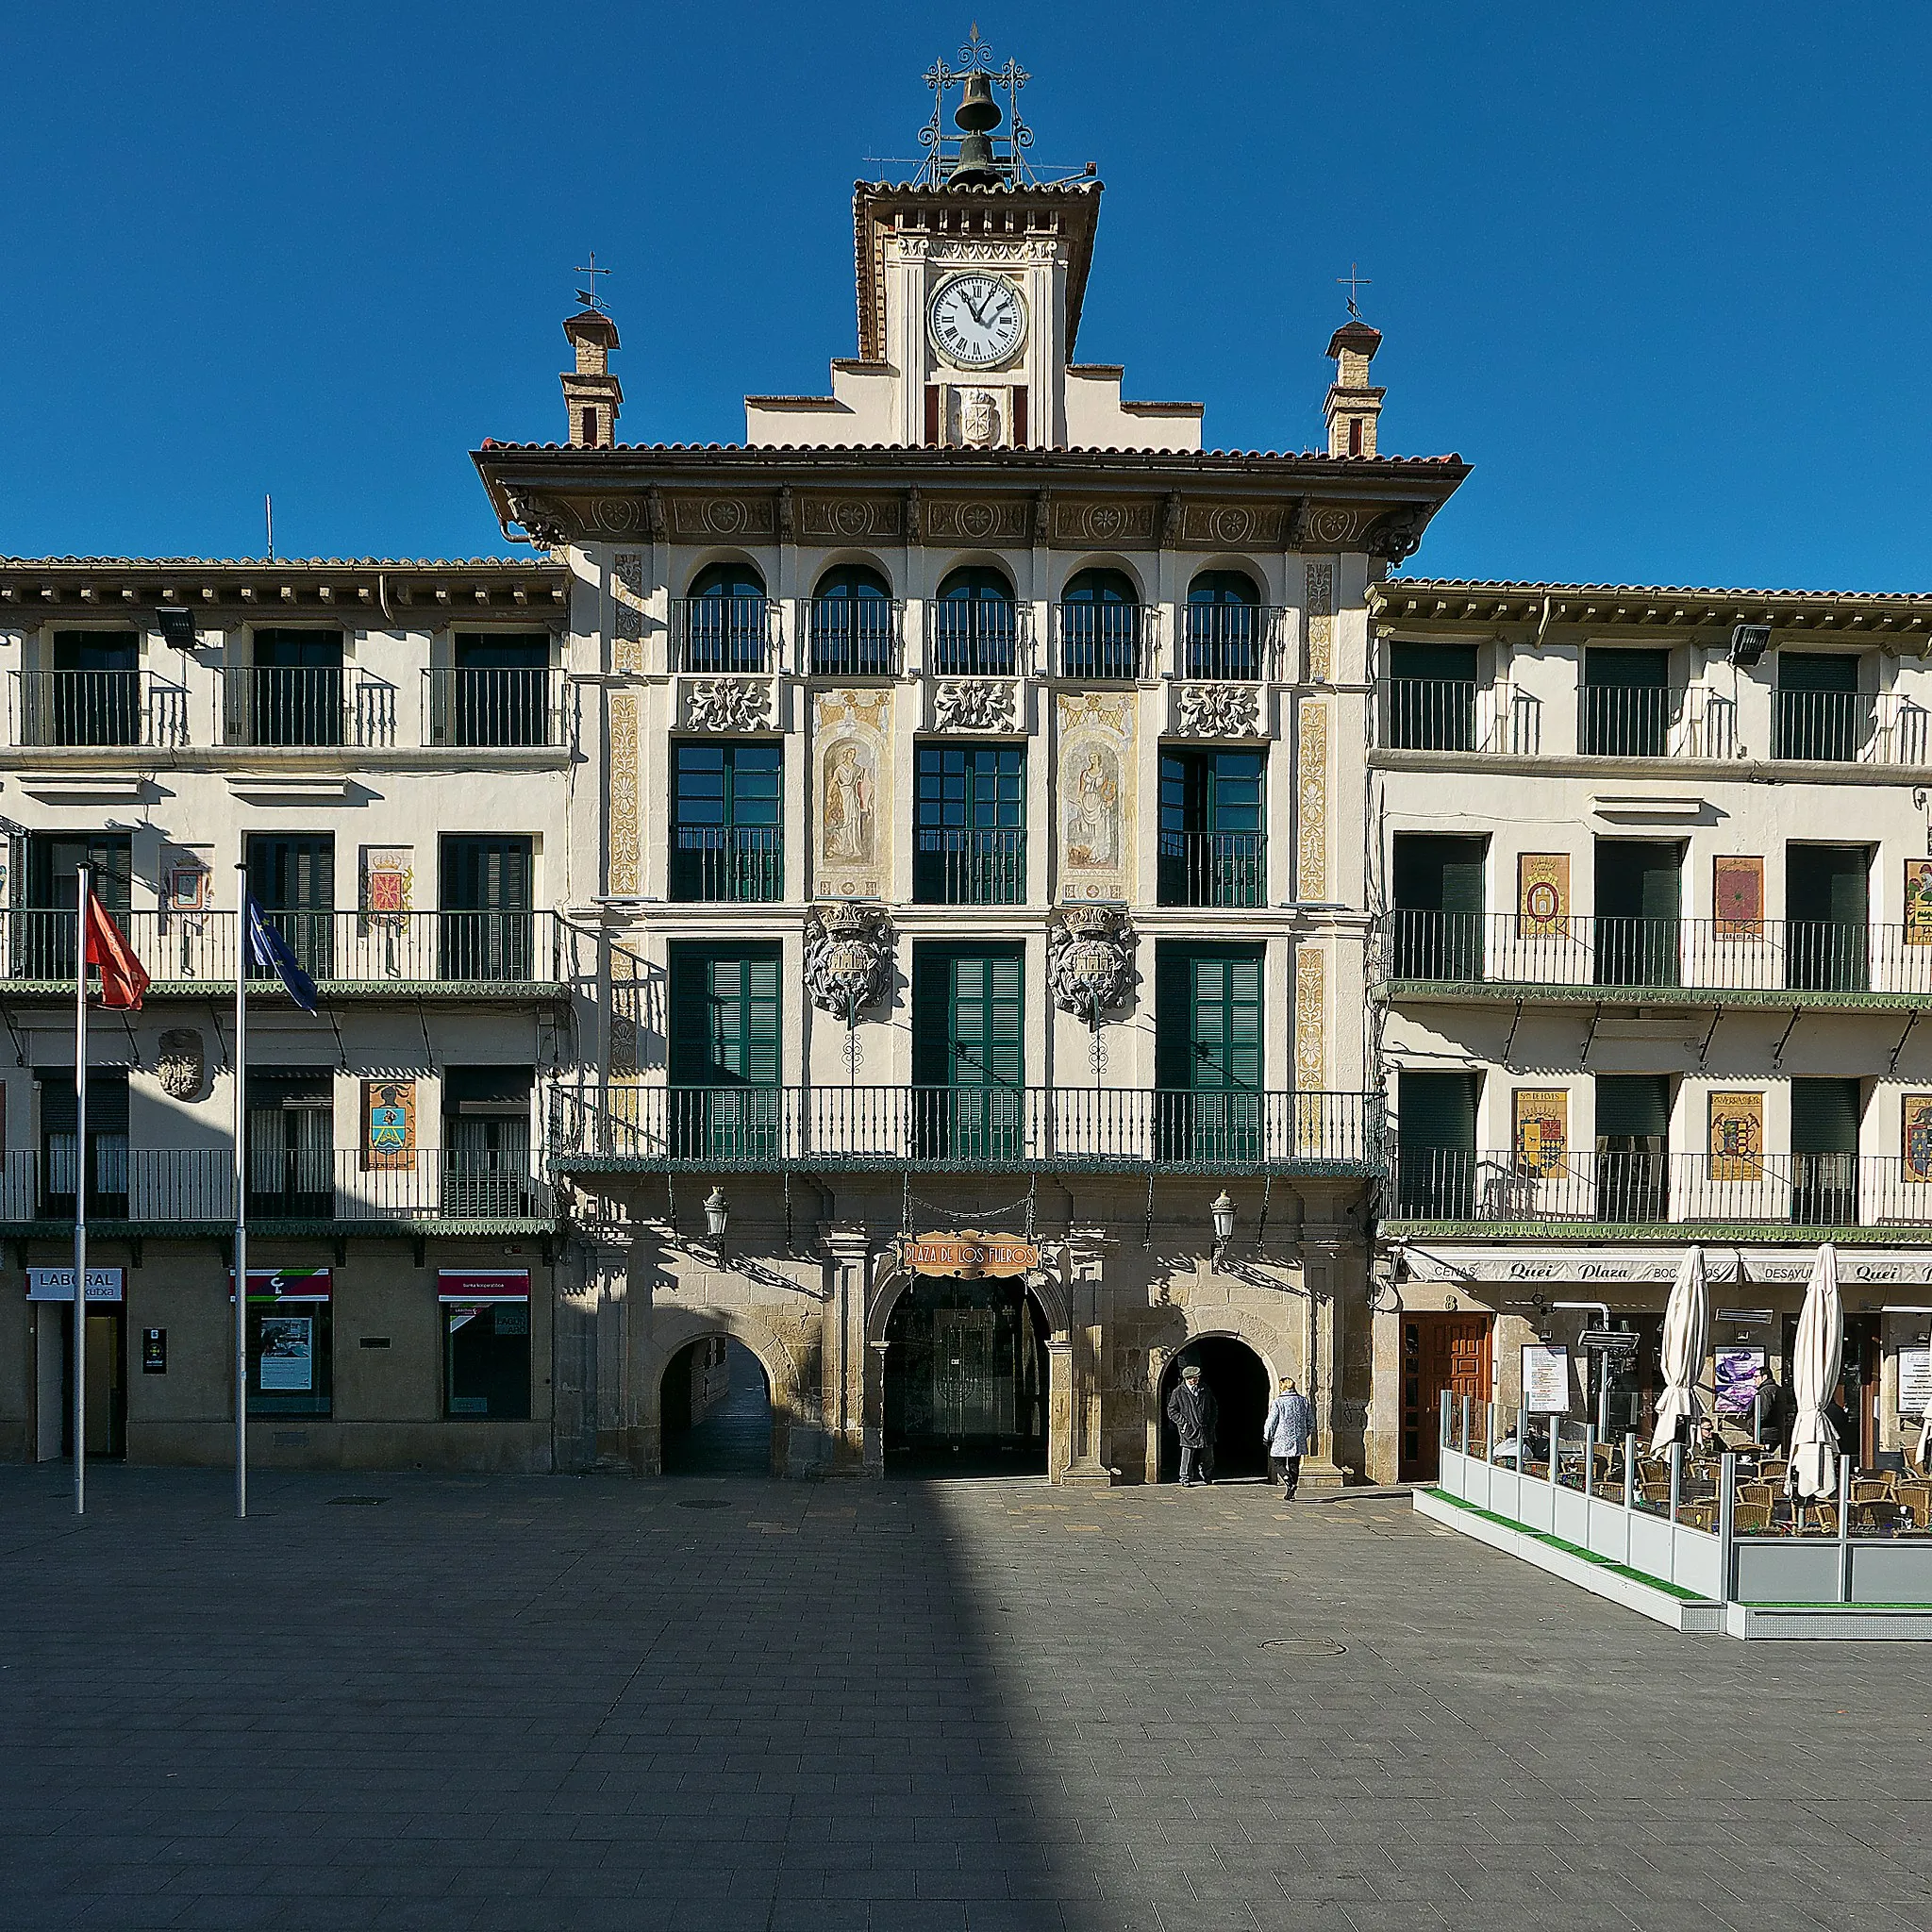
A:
(977, 116)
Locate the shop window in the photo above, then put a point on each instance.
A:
(290, 1349)
(487, 1363)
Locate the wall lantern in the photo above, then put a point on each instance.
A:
(1223, 1212)
(717, 1214)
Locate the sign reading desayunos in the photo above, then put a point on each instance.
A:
(971, 1253)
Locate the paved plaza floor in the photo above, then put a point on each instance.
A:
(588, 1703)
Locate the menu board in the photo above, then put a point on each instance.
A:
(1545, 1379)
(1915, 1380)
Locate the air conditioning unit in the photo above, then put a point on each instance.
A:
(1749, 642)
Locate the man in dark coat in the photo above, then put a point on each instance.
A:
(1194, 1412)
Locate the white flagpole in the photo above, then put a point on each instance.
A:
(241, 1190)
(78, 1351)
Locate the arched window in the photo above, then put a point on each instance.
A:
(855, 628)
(1100, 626)
(975, 627)
(726, 621)
(1226, 626)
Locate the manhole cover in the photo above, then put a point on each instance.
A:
(1305, 1647)
(356, 1502)
(704, 1503)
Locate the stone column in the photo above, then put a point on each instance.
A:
(1322, 1244)
(844, 1378)
(873, 1410)
(1060, 1452)
(1086, 1292)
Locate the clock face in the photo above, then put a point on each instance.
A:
(978, 320)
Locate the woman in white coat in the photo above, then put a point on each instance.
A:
(1287, 1432)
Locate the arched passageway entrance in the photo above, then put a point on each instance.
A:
(1238, 1378)
(966, 1380)
(716, 1412)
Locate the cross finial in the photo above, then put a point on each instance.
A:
(1354, 281)
(589, 296)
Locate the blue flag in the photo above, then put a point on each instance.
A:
(267, 947)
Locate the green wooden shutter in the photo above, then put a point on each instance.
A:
(1639, 878)
(725, 1017)
(1447, 663)
(1439, 874)
(932, 1018)
(1801, 671)
(1827, 883)
(1825, 1116)
(1226, 1022)
(1438, 1110)
(1626, 669)
(1633, 1105)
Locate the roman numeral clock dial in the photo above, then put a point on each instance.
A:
(977, 321)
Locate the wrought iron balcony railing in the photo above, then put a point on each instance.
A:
(98, 707)
(1444, 714)
(1638, 1188)
(493, 706)
(303, 707)
(1099, 643)
(1243, 643)
(1836, 958)
(963, 1128)
(1213, 869)
(853, 637)
(980, 637)
(188, 952)
(1656, 721)
(953, 866)
(1850, 727)
(739, 863)
(725, 635)
(169, 1186)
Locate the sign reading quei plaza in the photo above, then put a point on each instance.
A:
(969, 1254)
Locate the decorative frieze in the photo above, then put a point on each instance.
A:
(1311, 803)
(1335, 526)
(1220, 710)
(729, 704)
(850, 519)
(624, 795)
(710, 519)
(617, 516)
(1321, 578)
(1311, 1020)
(975, 704)
(1233, 525)
(1110, 523)
(975, 520)
(628, 601)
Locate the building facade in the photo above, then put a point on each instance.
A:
(974, 775)
(1652, 947)
(382, 751)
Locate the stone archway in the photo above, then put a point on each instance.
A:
(1243, 1380)
(715, 1410)
(672, 1330)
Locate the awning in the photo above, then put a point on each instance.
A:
(57, 1285)
(474, 1287)
(286, 1284)
(1636, 1266)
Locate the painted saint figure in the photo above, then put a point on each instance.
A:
(848, 806)
(1093, 813)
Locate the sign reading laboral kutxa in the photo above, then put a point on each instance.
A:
(971, 1253)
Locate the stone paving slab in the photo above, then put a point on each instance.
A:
(526, 1703)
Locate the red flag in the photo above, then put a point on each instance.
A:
(124, 978)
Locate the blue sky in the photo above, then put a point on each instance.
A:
(1660, 272)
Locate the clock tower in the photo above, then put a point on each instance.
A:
(970, 278)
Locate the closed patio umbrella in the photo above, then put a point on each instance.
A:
(1815, 1363)
(1687, 1325)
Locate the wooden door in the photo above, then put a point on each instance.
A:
(1439, 1352)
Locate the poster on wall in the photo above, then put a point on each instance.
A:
(1543, 894)
(1737, 1378)
(1543, 1129)
(1736, 1137)
(1915, 1379)
(1917, 1131)
(1545, 1379)
(388, 1124)
(1737, 897)
(288, 1356)
(1918, 902)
